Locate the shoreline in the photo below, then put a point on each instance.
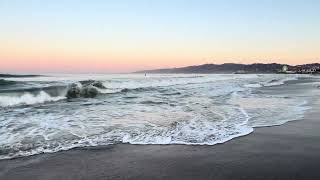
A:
(287, 151)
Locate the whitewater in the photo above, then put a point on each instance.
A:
(37, 117)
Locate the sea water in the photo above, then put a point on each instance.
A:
(36, 117)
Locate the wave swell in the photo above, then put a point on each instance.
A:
(6, 82)
(28, 99)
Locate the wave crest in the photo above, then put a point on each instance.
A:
(28, 99)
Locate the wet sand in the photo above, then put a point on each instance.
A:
(290, 151)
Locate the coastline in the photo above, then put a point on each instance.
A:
(288, 151)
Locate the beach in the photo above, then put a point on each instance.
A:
(160, 90)
(289, 151)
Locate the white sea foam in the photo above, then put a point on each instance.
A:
(277, 82)
(256, 85)
(27, 99)
(165, 109)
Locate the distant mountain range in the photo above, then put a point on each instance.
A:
(232, 68)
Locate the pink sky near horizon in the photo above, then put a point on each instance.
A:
(35, 54)
(54, 66)
(123, 36)
(44, 55)
(68, 60)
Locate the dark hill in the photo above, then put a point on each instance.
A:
(223, 68)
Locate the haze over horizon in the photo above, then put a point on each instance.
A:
(124, 36)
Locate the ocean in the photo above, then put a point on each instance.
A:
(193, 109)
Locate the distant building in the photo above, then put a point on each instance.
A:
(310, 69)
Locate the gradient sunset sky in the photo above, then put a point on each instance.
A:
(127, 35)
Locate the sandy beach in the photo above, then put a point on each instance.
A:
(290, 151)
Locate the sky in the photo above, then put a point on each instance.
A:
(109, 36)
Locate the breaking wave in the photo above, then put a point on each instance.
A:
(28, 99)
(277, 82)
(273, 82)
(35, 95)
(141, 110)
